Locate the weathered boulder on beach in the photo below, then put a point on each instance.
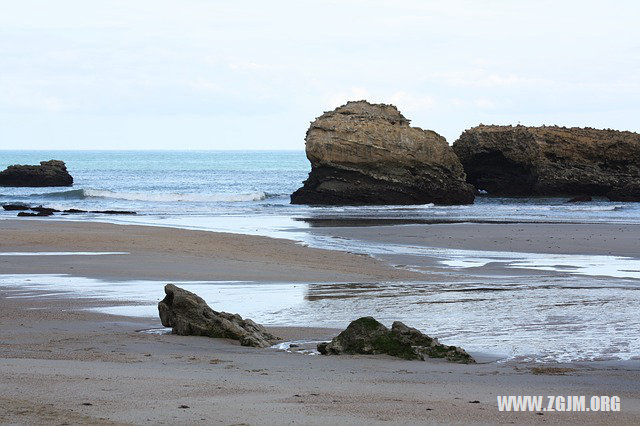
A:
(364, 153)
(551, 161)
(48, 173)
(368, 336)
(189, 315)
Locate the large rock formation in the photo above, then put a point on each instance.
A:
(368, 336)
(506, 160)
(364, 153)
(189, 315)
(48, 173)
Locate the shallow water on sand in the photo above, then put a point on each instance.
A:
(541, 318)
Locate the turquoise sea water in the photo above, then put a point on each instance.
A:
(202, 184)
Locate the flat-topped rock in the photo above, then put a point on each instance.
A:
(364, 153)
(189, 315)
(550, 161)
(48, 173)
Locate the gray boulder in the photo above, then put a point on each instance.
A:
(48, 173)
(189, 315)
(368, 336)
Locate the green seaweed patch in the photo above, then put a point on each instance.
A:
(391, 345)
(450, 353)
(367, 323)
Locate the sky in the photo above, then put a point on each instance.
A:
(196, 74)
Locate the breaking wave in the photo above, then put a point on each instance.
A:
(83, 194)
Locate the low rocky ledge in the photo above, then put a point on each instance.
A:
(48, 173)
(41, 211)
(368, 336)
(551, 161)
(189, 315)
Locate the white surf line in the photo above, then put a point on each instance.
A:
(62, 253)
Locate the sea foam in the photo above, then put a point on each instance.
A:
(82, 194)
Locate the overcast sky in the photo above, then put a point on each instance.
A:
(196, 74)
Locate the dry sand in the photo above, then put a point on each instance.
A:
(60, 364)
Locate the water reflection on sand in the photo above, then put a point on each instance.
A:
(542, 317)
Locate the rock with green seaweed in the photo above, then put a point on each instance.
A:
(189, 315)
(366, 335)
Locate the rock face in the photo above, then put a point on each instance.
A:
(368, 336)
(507, 160)
(364, 153)
(48, 173)
(189, 315)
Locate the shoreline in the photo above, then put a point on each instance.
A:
(113, 374)
(545, 238)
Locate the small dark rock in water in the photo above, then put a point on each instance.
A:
(580, 199)
(112, 212)
(47, 210)
(39, 214)
(189, 315)
(368, 336)
(48, 173)
(15, 207)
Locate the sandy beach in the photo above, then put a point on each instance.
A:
(174, 254)
(63, 364)
(553, 238)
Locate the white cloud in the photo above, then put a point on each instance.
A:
(483, 78)
(411, 102)
(247, 66)
(478, 103)
(446, 65)
(353, 94)
(484, 103)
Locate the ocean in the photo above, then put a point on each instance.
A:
(573, 308)
(160, 185)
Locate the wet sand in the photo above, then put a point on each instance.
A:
(591, 239)
(59, 364)
(158, 253)
(62, 364)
